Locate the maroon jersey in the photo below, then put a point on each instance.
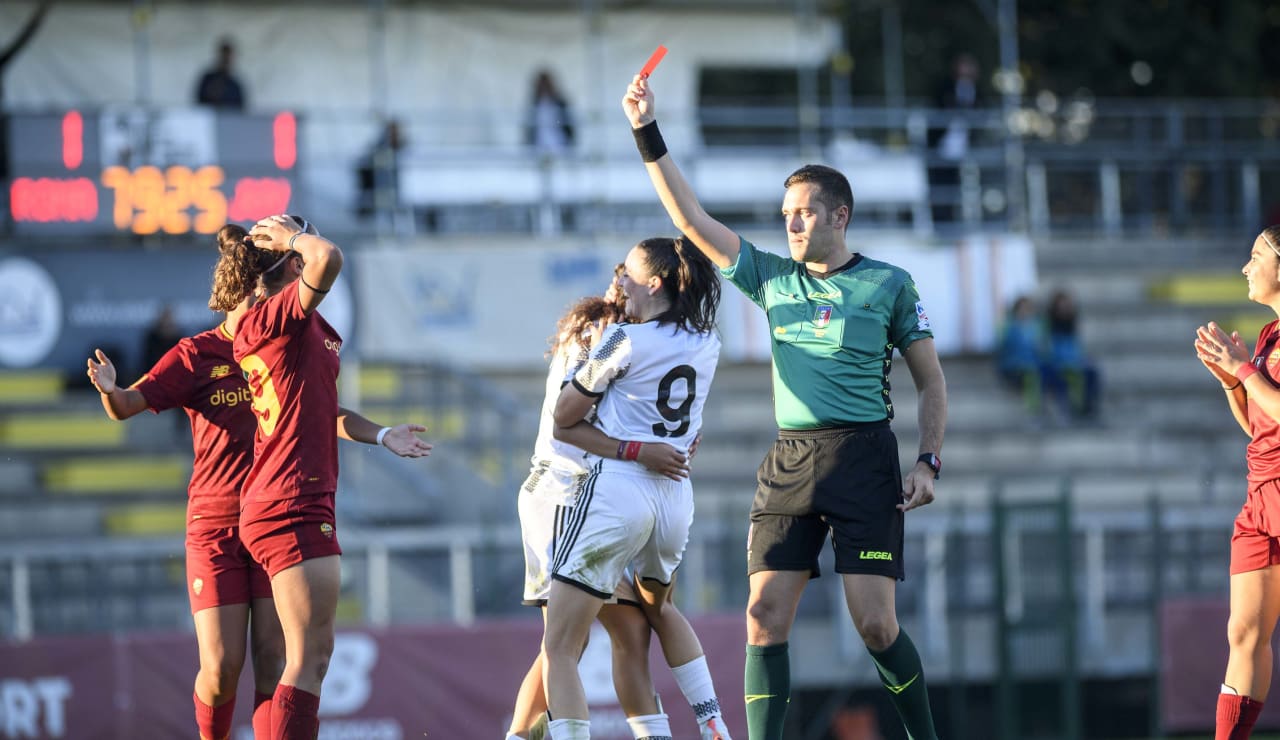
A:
(286, 355)
(200, 375)
(1264, 447)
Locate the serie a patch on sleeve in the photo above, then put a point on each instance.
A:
(922, 319)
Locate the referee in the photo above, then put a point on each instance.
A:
(835, 317)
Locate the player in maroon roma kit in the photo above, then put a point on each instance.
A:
(1252, 385)
(227, 589)
(289, 354)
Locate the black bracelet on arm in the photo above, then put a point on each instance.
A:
(314, 290)
(649, 142)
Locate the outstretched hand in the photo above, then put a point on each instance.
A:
(917, 488)
(403, 440)
(664, 459)
(638, 102)
(102, 373)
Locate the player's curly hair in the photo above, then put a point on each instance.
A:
(244, 268)
(689, 281)
(575, 324)
(240, 265)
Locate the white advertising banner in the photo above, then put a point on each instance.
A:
(493, 306)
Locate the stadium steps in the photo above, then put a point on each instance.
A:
(145, 520)
(39, 518)
(19, 388)
(125, 475)
(59, 430)
(1198, 288)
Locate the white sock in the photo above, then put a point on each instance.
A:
(650, 727)
(569, 729)
(1228, 690)
(694, 679)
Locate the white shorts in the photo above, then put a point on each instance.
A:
(543, 513)
(542, 521)
(625, 517)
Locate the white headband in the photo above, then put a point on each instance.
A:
(1271, 244)
(280, 261)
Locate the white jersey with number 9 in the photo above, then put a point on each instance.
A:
(657, 378)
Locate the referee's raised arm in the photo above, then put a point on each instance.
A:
(717, 241)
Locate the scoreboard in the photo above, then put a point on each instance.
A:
(144, 172)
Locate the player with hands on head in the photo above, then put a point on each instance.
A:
(290, 357)
(1250, 382)
(835, 317)
(230, 594)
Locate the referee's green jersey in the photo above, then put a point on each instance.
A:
(833, 336)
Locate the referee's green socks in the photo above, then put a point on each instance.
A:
(767, 689)
(901, 673)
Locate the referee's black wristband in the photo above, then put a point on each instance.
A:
(649, 142)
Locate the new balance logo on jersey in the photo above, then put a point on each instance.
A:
(875, 555)
(220, 371)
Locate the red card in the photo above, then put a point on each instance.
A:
(654, 58)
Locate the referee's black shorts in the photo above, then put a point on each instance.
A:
(846, 480)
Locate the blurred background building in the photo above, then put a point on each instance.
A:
(1070, 581)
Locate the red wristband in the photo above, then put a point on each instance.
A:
(629, 450)
(1244, 371)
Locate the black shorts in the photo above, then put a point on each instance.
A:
(846, 480)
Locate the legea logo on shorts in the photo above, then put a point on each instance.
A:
(875, 555)
(30, 312)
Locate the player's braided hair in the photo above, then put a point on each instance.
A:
(689, 281)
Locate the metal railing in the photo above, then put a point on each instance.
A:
(461, 573)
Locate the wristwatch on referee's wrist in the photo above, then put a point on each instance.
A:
(933, 461)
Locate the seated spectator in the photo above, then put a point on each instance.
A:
(1020, 356)
(1072, 370)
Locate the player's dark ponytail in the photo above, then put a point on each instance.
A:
(689, 281)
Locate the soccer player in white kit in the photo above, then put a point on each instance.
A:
(648, 381)
(558, 471)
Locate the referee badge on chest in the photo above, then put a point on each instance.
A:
(821, 319)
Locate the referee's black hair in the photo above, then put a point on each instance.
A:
(689, 281)
(833, 187)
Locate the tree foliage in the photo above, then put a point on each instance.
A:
(1192, 48)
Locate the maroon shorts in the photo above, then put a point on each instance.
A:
(220, 571)
(282, 533)
(1255, 543)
